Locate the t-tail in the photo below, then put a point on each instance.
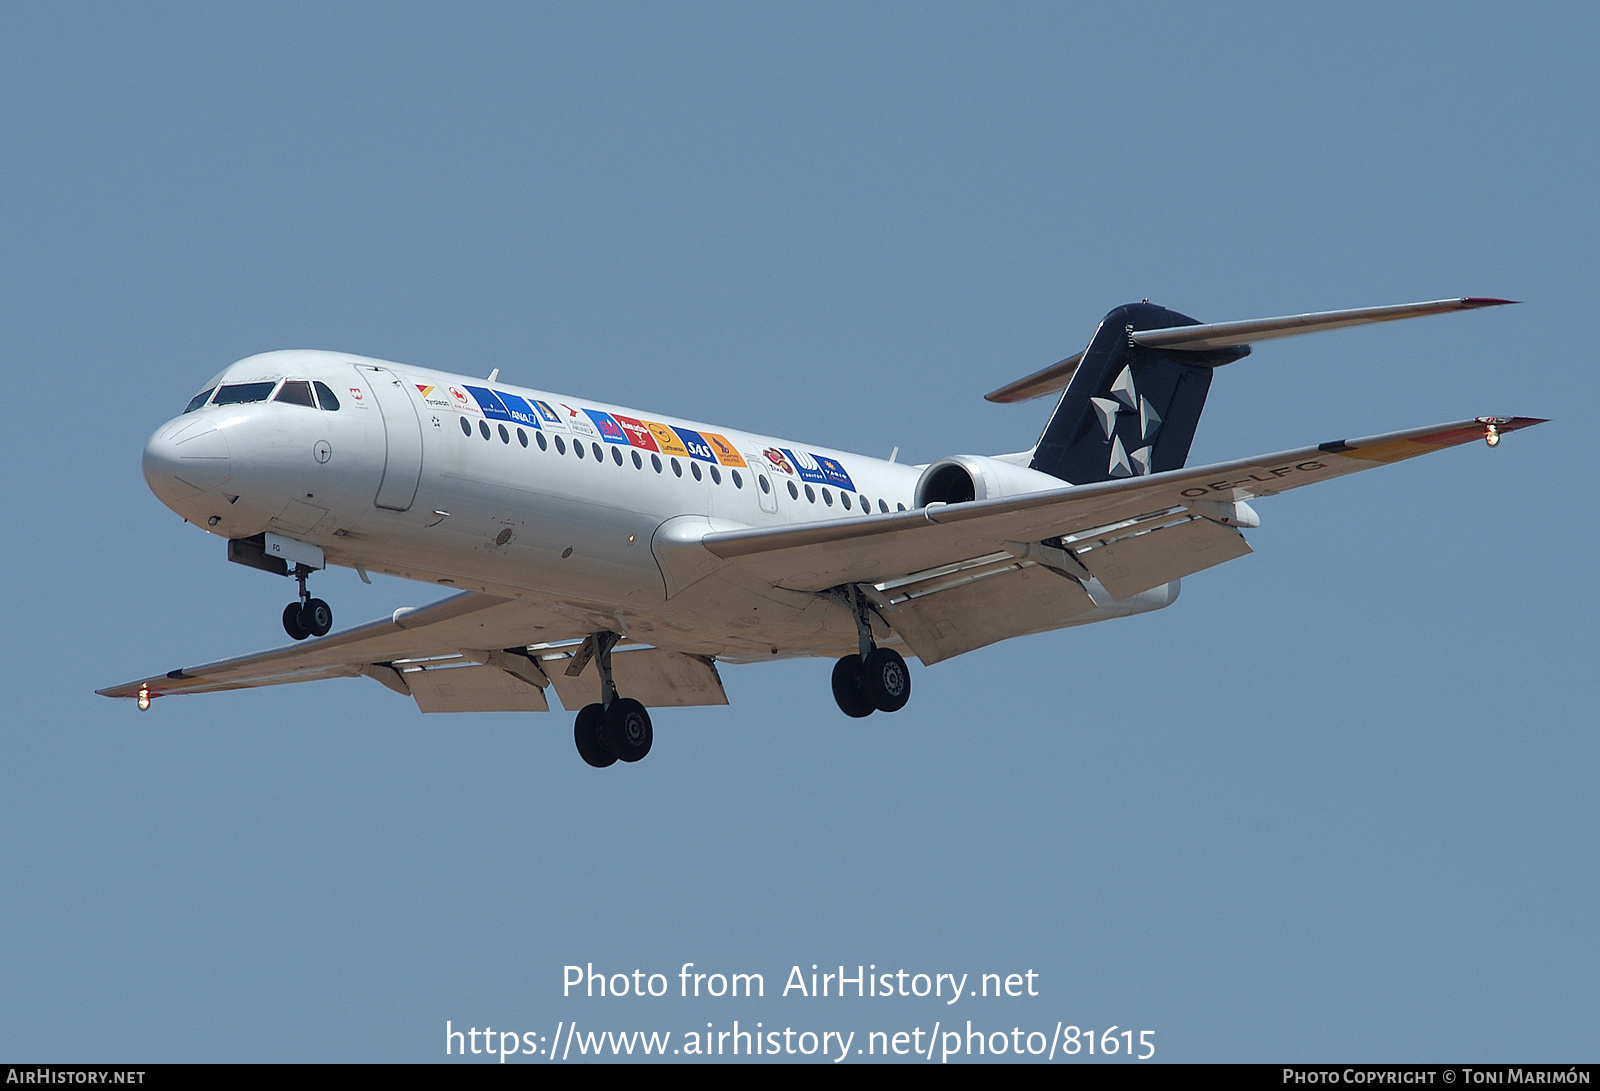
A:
(1133, 398)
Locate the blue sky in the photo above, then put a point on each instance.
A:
(1337, 803)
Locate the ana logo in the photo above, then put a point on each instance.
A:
(775, 456)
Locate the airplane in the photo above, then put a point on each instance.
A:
(618, 556)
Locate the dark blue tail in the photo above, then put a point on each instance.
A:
(1129, 410)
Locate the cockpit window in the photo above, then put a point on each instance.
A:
(199, 399)
(296, 392)
(238, 393)
(325, 396)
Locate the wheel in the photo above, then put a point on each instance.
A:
(846, 690)
(317, 617)
(885, 680)
(292, 624)
(627, 731)
(586, 733)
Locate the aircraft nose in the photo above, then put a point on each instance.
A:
(184, 459)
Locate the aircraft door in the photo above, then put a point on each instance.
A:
(402, 465)
(766, 485)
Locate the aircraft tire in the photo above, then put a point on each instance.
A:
(627, 731)
(317, 616)
(292, 623)
(886, 680)
(847, 688)
(586, 733)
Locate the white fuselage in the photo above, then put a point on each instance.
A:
(486, 486)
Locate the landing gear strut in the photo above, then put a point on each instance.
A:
(616, 728)
(874, 679)
(306, 616)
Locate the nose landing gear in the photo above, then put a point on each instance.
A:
(615, 728)
(873, 680)
(306, 616)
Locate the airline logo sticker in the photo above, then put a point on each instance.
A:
(577, 421)
(460, 402)
(667, 438)
(547, 412)
(822, 471)
(638, 433)
(779, 461)
(724, 450)
(834, 471)
(520, 411)
(696, 445)
(433, 397)
(610, 430)
(488, 403)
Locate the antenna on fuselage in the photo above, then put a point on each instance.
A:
(493, 375)
(894, 454)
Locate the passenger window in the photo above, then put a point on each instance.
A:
(694, 468)
(811, 497)
(544, 444)
(883, 506)
(561, 448)
(866, 505)
(655, 460)
(522, 437)
(899, 507)
(296, 392)
(638, 463)
(677, 469)
(240, 393)
(199, 399)
(466, 429)
(794, 493)
(765, 486)
(577, 448)
(844, 498)
(616, 455)
(599, 456)
(716, 475)
(738, 482)
(505, 436)
(483, 427)
(827, 498)
(326, 397)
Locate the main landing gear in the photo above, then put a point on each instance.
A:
(306, 616)
(616, 728)
(874, 679)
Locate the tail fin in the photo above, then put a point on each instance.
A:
(1130, 409)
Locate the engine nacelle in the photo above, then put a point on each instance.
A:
(978, 477)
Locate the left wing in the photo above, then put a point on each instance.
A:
(471, 652)
(1131, 534)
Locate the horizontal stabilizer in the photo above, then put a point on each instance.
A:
(1224, 335)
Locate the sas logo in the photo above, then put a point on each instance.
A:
(779, 462)
(695, 444)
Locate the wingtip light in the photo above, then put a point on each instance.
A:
(144, 698)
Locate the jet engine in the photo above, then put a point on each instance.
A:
(978, 477)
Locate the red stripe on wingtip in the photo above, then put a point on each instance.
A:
(1474, 301)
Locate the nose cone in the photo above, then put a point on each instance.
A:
(185, 459)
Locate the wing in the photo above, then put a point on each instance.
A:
(1130, 535)
(468, 653)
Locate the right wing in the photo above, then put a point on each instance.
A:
(1131, 534)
